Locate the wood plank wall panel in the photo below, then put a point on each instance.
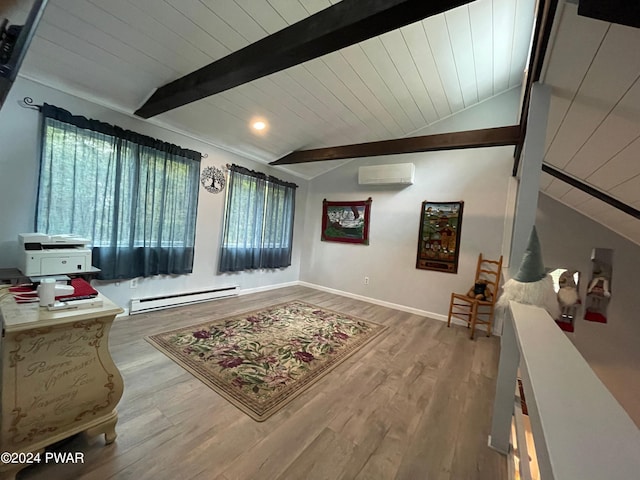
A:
(236, 17)
(88, 34)
(372, 127)
(357, 57)
(596, 97)
(201, 14)
(315, 87)
(288, 112)
(141, 30)
(153, 18)
(593, 131)
(578, 39)
(523, 22)
(458, 24)
(481, 22)
(438, 36)
(91, 76)
(377, 54)
(612, 139)
(337, 63)
(102, 48)
(630, 189)
(416, 39)
(398, 50)
(618, 140)
(503, 34)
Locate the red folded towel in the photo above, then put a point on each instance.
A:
(82, 289)
(26, 293)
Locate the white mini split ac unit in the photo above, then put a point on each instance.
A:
(397, 174)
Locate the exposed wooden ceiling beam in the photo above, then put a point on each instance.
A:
(487, 137)
(544, 22)
(343, 24)
(594, 192)
(624, 12)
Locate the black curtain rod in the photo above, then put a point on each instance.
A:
(27, 102)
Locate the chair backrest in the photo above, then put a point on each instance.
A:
(490, 270)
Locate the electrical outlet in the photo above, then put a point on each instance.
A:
(133, 283)
(366, 280)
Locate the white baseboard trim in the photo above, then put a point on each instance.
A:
(247, 291)
(395, 306)
(375, 301)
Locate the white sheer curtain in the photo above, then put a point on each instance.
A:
(134, 197)
(258, 223)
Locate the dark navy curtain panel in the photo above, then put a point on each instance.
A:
(258, 222)
(133, 196)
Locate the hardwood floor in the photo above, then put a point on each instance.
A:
(413, 404)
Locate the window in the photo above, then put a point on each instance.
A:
(258, 223)
(134, 197)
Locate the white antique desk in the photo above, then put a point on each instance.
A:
(58, 378)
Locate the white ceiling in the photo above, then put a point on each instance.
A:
(593, 130)
(117, 52)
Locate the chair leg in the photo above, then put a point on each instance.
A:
(450, 310)
(474, 314)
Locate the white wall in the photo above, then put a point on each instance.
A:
(479, 177)
(498, 111)
(612, 349)
(19, 136)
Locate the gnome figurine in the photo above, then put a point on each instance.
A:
(531, 285)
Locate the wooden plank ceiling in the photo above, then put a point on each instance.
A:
(338, 26)
(118, 52)
(390, 86)
(593, 131)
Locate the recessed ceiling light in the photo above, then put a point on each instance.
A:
(259, 125)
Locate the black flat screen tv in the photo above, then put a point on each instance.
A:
(14, 42)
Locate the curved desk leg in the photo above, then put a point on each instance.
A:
(108, 428)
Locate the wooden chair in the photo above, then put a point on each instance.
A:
(474, 311)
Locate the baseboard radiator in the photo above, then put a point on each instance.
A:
(142, 305)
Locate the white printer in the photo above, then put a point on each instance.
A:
(43, 254)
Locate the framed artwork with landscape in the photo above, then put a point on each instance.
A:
(439, 238)
(346, 222)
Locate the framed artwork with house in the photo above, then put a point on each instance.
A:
(439, 237)
(346, 222)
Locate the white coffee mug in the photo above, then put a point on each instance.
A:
(47, 291)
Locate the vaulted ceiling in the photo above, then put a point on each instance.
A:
(593, 129)
(118, 52)
(390, 86)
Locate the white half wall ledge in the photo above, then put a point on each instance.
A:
(579, 428)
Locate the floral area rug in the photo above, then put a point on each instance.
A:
(261, 360)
